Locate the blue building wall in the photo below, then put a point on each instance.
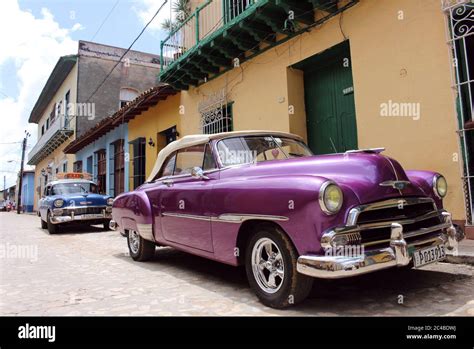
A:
(28, 191)
(105, 142)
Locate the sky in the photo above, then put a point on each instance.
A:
(35, 33)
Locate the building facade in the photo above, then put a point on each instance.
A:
(27, 191)
(120, 150)
(343, 74)
(82, 90)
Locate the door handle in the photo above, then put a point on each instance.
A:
(168, 182)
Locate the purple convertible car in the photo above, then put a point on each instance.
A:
(263, 200)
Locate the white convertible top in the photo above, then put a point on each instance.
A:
(191, 140)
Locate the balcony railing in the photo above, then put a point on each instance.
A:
(221, 33)
(59, 131)
(206, 19)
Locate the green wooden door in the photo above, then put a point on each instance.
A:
(329, 98)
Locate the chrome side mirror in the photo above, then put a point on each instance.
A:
(198, 173)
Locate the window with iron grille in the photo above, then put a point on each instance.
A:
(217, 120)
(461, 41)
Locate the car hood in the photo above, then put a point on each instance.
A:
(83, 199)
(360, 172)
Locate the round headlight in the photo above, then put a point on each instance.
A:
(330, 198)
(110, 201)
(58, 203)
(440, 186)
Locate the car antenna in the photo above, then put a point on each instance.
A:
(332, 143)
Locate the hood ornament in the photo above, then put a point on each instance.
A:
(399, 185)
(368, 150)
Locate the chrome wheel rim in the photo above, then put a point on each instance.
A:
(267, 265)
(133, 241)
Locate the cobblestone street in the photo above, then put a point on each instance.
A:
(88, 272)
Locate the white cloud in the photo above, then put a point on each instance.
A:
(145, 9)
(34, 45)
(76, 27)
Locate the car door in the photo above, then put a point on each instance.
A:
(43, 207)
(186, 201)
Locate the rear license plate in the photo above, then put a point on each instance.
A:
(428, 255)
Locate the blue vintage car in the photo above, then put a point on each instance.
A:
(73, 200)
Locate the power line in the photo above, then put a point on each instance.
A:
(1, 93)
(11, 143)
(128, 49)
(105, 19)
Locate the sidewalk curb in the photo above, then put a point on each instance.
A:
(460, 259)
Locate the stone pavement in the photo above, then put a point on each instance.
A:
(88, 272)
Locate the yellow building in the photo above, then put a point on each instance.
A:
(154, 129)
(75, 99)
(341, 74)
(55, 125)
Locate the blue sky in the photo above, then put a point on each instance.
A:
(120, 29)
(35, 33)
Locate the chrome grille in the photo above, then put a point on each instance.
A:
(418, 216)
(401, 212)
(85, 210)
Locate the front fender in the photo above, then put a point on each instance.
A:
(424, 180)
(132, 207)
(295, 197)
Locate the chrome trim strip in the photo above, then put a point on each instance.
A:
(79, 207)
(227, 217)
(240, 218)
(188, 216)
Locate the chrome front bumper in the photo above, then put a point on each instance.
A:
(396, 255)
(113, 225)
(69, 216)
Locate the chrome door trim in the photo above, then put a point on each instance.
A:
(227, 217)
(188, 216)
(240, 218)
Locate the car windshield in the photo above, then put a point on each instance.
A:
(244, 150)
(73, 188)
